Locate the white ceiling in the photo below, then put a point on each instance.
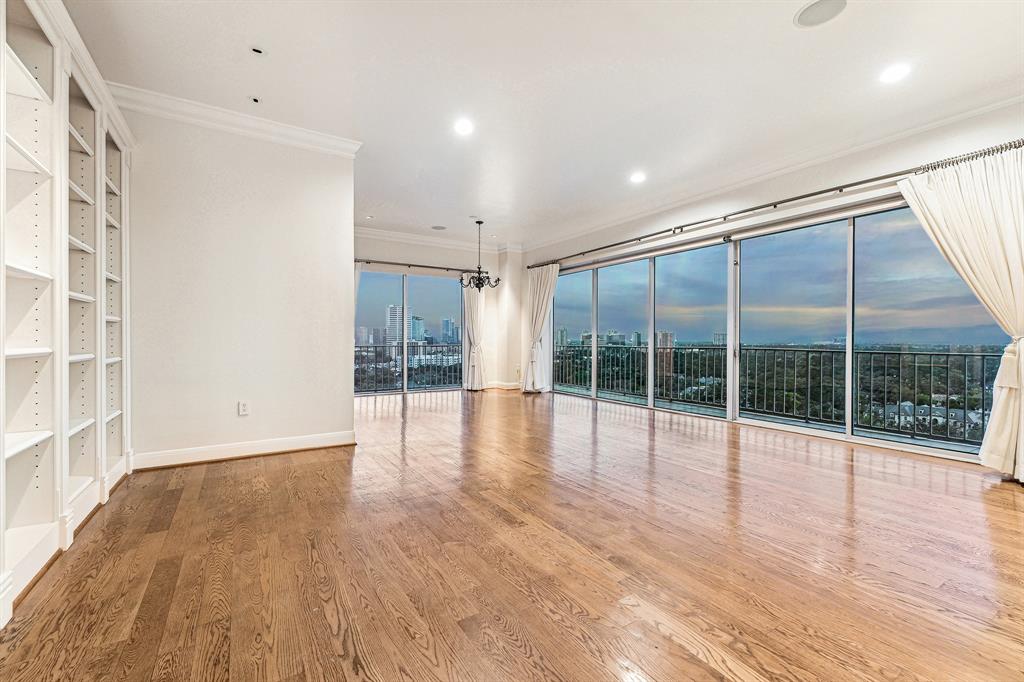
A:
(568, 98)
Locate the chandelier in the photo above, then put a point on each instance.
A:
(479, 279)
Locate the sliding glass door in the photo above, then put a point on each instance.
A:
(408, 333)
(622, 323)
(792, 311)
(434, 346)
(690, 323)
(378, 349)
(856, 326)
(573, 328)
(925, 351)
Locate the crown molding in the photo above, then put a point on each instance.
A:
(207, 116)
(792, 165)
(377, 234)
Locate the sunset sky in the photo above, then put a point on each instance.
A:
(793, 290)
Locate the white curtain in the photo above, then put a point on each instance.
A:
(974, 212)
(537, 377)
(473, 370)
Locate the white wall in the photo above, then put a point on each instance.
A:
(933, 144)
(241, 259)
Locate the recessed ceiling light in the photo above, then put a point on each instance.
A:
(256, 50)
(464, 127)
(369, 217)
(438, 227)
(637, 177)
(818, 12)
(894, 73)
(254, 100)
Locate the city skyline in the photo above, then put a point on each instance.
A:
(431, 299)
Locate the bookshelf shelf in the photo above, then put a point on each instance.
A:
(16, 442)
(63, 244)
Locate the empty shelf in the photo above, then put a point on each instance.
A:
(81, 357)
(22, 272)
(76, 193)
(78, 245)
(81, 298)
(21, 159)
(20, 80)
(111, 187)
(112, 277)
(77, 485)
(77, 425)
(112, 361)
(112, 318)
(77, 142)
(19, 441)
(18, 353)
(112, 416)
(112, 222)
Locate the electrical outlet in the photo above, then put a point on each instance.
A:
(519, 372)
(243, 408)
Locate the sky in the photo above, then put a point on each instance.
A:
(793, 290)
(432, 298)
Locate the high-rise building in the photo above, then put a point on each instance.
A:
(393, 333)
(638, 339)
(664, 339)
(449, 331)
(721, 338)
(416, 330)
(615, 338)
(362, 336)
(562, 337)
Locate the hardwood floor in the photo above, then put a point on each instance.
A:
(500, 537)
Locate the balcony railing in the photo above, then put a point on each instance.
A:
(435, 365)
(622, 373)
(378, 368)
(572, 369)
(693, 374)
(916, 395)
(933, 396)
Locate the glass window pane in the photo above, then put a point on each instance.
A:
(572, 320)
(622, 331)
(925, 350)
(435, 332)
(378, 350)
(690, 322)
(793, 326)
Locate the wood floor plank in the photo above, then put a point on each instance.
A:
(499, 537)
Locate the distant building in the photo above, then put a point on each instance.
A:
(638, 339)
(448, 331)
(562, 337)
(393, 332)
(362, 336)
(721, 338)
(416, 330)
(664, 339)
(614, 338)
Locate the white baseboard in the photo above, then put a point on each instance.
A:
(206, 453)
(502, 384)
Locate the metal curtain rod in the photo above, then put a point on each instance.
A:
(408, 265)
(678, 229)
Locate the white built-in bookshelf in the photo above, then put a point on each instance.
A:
(63, 293)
